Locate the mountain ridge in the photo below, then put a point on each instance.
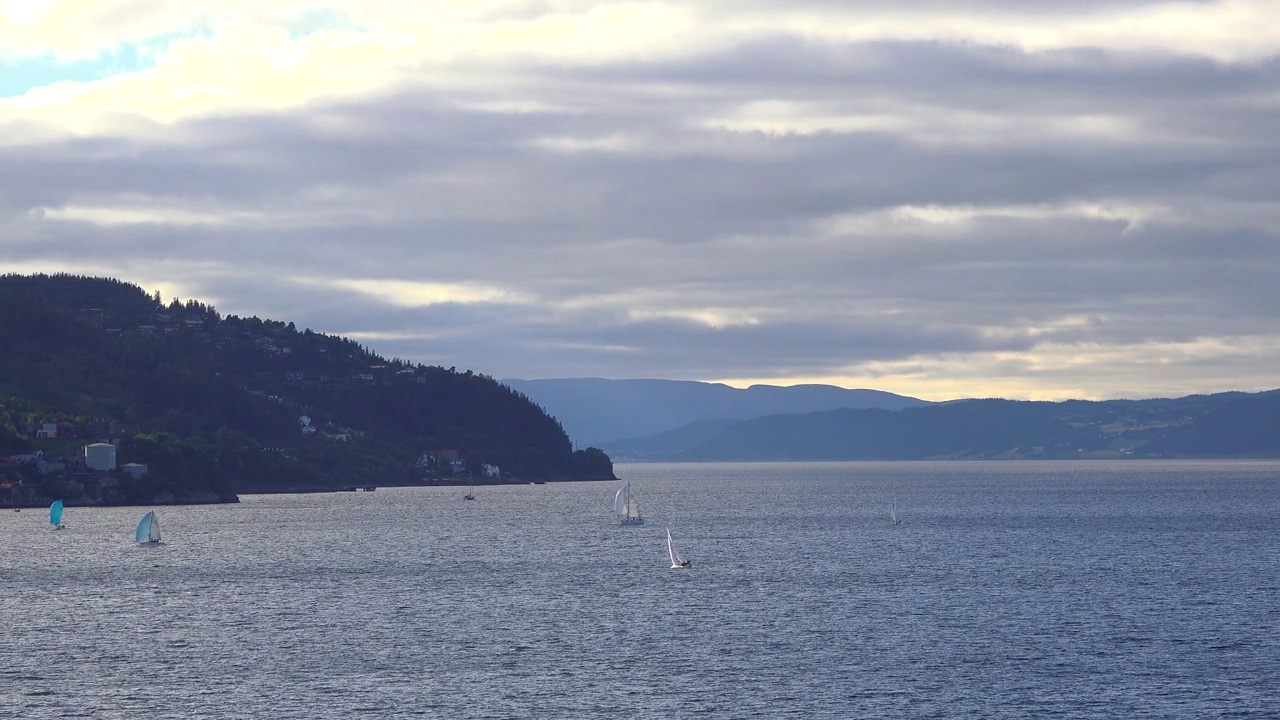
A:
(1224, 425)
(596, 411)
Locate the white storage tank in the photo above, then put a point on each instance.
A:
(100, 456)
(135, 470)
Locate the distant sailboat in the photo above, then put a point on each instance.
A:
(148, 529)
(471, 494)
(55, 515)
(893, 512)
(676, 561)
(627, 506)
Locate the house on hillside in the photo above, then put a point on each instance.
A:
(437, 458)
(102, 432)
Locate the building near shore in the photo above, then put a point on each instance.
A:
(134, 470)
(100, 456)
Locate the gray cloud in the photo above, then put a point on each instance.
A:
(621, 211)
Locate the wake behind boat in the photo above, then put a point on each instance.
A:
(627, 507)
(677, 562)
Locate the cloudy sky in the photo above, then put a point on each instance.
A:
(940, 198)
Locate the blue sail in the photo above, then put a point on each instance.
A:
(144, 527)
(55, 513)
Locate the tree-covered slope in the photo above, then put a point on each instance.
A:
(246, 404)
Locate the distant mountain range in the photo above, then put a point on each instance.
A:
(664, 420)
(596, 412)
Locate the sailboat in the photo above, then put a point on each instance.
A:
(148, 529)
(893, 512)
(676, 561)
(55, 515)
(471, 494)
(627, 506)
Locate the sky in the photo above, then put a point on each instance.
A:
(941, 198)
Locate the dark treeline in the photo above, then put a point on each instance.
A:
(215, 405)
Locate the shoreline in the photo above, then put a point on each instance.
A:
(235, 499)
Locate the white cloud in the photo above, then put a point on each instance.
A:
(1229, 30)
(784, 117)
(244, 70)
(615, 143)
(1055, 372)
(717, 318)
(418, 294)
(963, 220)
(118, 215)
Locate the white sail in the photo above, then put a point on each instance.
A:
(627, 506)
(676, 560)
(893, 512)
(620, 500)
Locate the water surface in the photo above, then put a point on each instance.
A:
(1009, 590)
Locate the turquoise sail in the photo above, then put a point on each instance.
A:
(144, 533)
(55, 513)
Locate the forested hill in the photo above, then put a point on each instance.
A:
(216, 405)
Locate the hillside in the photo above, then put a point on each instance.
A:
(1227, 425)
(217, 405)
(596, 411)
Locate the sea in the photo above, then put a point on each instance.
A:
(1091, 589)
